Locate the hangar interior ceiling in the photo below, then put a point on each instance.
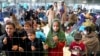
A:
(48, 1)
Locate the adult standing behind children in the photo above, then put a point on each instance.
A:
(50, 14)
(91, 41)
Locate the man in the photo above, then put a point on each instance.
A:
(50, 14)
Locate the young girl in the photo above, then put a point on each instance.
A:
(55, 40)
(77, 47)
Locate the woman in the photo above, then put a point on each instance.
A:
(55, 40)
(91, 41)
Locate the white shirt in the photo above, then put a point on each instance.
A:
(46, 30)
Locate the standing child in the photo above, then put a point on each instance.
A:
(55, 40)
(23, 36)
(34, 45)
(10, 40)
(77, 47)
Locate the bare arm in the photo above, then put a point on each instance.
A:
(65, 9)
(47, 13)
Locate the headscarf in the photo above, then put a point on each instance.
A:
(51, 34)
(91, 41)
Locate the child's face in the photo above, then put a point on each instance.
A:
(31, 36)
(55, 26)
(9, 29)
(27, 27)
(34, 25)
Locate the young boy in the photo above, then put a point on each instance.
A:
(34, 45)
(77, 47)
(10, 40)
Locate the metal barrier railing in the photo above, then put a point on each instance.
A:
(3, 53)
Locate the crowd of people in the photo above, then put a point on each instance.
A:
(46, 33)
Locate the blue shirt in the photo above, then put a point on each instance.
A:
(40, 35)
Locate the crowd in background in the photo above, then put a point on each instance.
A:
(46, 33)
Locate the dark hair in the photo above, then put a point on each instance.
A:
(28, 23)
(77, 37)
(11, 13)
(89, 29)
(31, 31)
(70, 24)
(62, 2)
(10, 23)
(55, 2)
(34, 21)
(50, 6)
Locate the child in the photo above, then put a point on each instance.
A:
(10, 40)
(38, 30)
(55, 40)
(34, 45)
(23, 35)
(77, 47)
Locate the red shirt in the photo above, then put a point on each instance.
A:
(57, 51)
(76, 48)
